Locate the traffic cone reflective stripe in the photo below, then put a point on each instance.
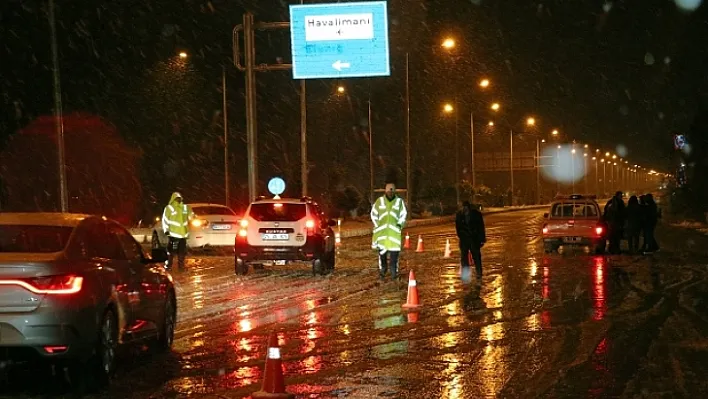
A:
(407, 243)
(448, 251)
(273, 380)
(412, 300)
(420, 244)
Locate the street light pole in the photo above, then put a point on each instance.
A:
(371, 158)
(538, 171)
(58, 112)
(457, 158)
(226, 137)
(409, 180)
(474, 172)
(251, 115)
(511, 163)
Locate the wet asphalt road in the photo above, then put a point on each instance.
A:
(570, 325)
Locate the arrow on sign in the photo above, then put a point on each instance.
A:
(338, 65)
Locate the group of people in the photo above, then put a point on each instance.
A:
(633, 221)
(388, 215)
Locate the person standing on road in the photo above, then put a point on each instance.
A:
(635, 223)
(614, 217)
(388, 214)
(175, 224)
(469, 225)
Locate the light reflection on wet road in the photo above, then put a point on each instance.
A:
(537, 326)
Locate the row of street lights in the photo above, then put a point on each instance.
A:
(448, 108)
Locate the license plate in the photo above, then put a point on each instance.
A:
(279, 262)
(221, 227)
(572, 239)
(275, 237)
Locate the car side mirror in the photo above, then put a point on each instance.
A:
(158, 255)
(545, 215)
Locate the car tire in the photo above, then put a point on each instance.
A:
(600, 248)
(169, 322)
(95, 373)
(155, 242)
(241, 268)
(330, 261)
(318, 267)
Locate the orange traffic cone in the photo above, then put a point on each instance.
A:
(407, 243)
(420, 245)
(273, 381)
(412, 301)
(448, 251)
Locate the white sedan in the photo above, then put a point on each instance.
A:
(213, 226)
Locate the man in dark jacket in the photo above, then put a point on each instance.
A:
(614, 217)
(469, 224)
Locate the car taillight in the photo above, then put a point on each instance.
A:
(242, 233)
(57, 285)
(200, 223)
(243, 223)
(310, 226)
(545, 229)
(599, 230)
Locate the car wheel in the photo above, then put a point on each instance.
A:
(241, 267)
(107, 346)
(318, 267)
(600, 248)
(331, 258)
(155, 242)
(167, 333)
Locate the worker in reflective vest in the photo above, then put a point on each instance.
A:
(388, 213)
(175, 224)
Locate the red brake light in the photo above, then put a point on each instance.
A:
(545, 229)
(55, 349)
(244, 223)
(57, 285)
(310, 224)
(599, 230)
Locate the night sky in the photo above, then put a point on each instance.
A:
(607, 73)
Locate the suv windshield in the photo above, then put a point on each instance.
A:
(574, 210)
(212, 210)
(277, 212)
(33, 239)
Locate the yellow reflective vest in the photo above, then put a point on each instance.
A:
(176, 217)
(389, 218)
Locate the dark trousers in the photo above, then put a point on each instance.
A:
(615, 238)
(633, 241)
(473, 248)
(384, 264)
(650, 243)
(178, 246)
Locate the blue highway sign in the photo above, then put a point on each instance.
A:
(339, 40)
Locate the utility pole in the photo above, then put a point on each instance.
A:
(58, 112)
(511, 163)
(409, 180)
(226, 137)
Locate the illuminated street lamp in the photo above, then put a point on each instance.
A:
(555, 132)
(484, 83)
(448, 108)
(495, 107)
(490, 124)
(182, 55)
(530, 122)
(448, 43)
(341, 89)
